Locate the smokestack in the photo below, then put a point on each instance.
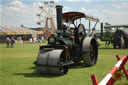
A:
(101, 30)
(59, 16)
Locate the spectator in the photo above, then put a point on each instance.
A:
(30, 40)
(12, 42)
(122, 42)
(7, 42)
(34, 39)
(42, 38)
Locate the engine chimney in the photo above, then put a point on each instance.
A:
(59, 16)
(101, 30)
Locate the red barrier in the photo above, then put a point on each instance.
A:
(122, 67)
(108, 80)
(94, 80)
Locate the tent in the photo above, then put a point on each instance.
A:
(15, 30)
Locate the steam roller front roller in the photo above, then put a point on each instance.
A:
(50, 62)
(90, 51)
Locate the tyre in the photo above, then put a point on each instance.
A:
(90, 56)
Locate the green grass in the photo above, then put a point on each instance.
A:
(17, 68)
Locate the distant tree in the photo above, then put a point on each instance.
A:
(22, 25)
(106, 23)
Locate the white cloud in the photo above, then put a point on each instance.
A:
(72, 0)
(0, 8)
(113, 12)
(15, 8)
(66, 9)
(115, 17)
(116, 6)
(56, 0)
(124, 5)
(52, 0)
(17, 13)
(108, 15)
(121, 5)
(89, 11)
(100, 6)
(18, 4)
(87, 1)
(35, 4)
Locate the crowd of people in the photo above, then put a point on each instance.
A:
(34, 40)
(11, 41)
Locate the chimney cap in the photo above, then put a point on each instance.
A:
(59, 6)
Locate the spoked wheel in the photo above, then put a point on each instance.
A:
(47, 62)
(90, 57)
(81, 32)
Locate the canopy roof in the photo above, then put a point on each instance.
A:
(115, 26)
(15, 30)
(70, 17)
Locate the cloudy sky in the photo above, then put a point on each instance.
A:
(17, 12)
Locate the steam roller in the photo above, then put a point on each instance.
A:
(68, 45)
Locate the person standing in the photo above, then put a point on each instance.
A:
(42, 38)
(7, 42)
(12, 42)
(122, 42)
(30, 40)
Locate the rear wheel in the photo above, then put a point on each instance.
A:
(90, 57)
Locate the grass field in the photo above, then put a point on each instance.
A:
(17, 68)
